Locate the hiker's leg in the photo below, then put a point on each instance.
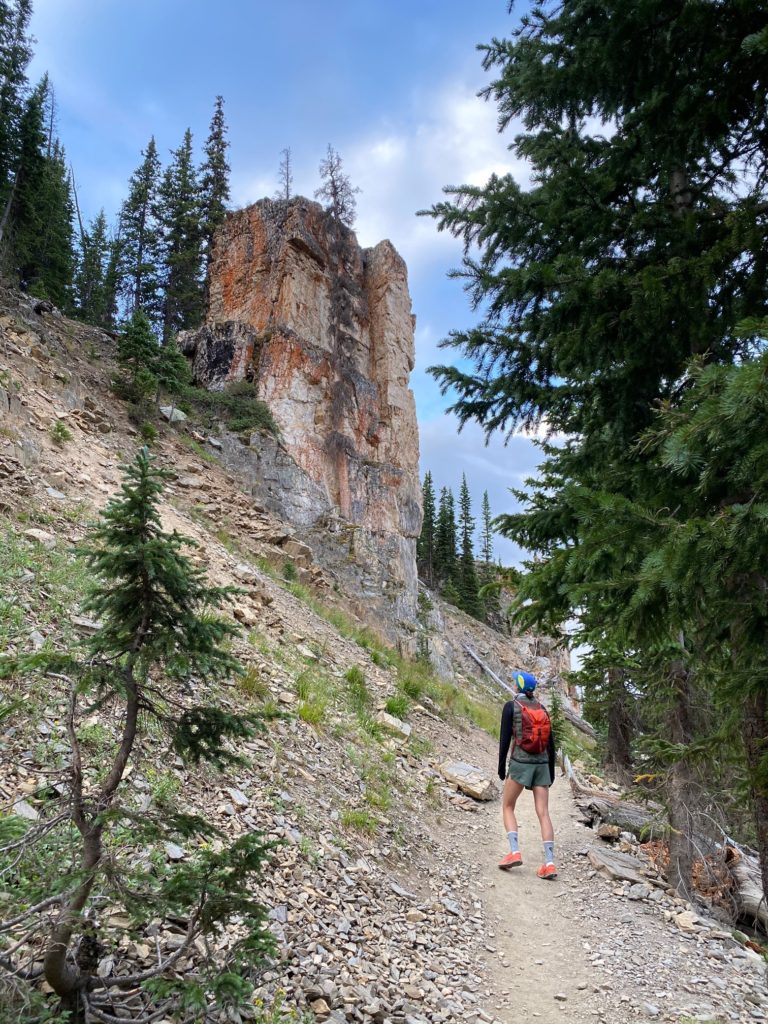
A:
(541, 803)
(509, 795)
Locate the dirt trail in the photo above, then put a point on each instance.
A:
(581, 949)
(538, 931)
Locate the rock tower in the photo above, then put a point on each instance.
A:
(325, 331)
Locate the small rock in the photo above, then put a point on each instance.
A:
(638, 891)
(468, 779)
(41, 537)
(24, 810)
(393, 725)
(172, 414)
(239, 799)
(174, 852)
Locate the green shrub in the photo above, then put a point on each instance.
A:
(397, 706)
(251, 684)
(148, 432)
(360, 820)
(312, 711)
(237, 408)
(289, 572)
(59, 433)
(357, 690)
(303, 686)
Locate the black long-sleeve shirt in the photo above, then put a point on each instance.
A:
(511, 725)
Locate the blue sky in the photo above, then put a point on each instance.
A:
(391, 85)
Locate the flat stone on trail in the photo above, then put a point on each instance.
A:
(617, 865)
(639, 891)
(468, 779)
(686, 921)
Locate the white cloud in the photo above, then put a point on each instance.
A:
(404, 168)
(404, 164)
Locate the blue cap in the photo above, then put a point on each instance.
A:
(524, 682)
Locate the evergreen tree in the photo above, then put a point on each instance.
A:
(42, 210)
(445, 538)
(181, 217)
(467, 584)
(139, 233)
(23, 218)
(285, 176)
(337, 190)
(160, 629)
(214, 177)
(91, 295)
(489, 593)
(425, 547)
(137, 353)
(604, 277)
(171, 370)
(15, 54)
(486, 535)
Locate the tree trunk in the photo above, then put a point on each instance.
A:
(755, 733)
(620, 726)
(680, 785)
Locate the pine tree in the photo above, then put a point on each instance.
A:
(91, 295)
(425, 547)
(160, 629)
(486, 536)
(180, 214)
(214, 177)
(445, 538)
(467, 584)
(137, 353)
(488, 576)
(644, 258)
(285, 176)
(337, 190)
(15, 54)
(140, 265)
(171, 370)
(42, 211)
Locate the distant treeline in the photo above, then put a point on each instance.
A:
(446, 555)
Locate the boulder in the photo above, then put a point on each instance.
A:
(172, 414)
(401, 730)
(469, 780)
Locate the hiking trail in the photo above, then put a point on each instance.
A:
(579, 949)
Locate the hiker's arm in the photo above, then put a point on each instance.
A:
(505, 737)
(551, 752)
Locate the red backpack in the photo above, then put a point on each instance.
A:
(536, 729)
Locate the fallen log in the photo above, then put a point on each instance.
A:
(641, 822)
(745, 872)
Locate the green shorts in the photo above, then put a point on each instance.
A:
(529, 774)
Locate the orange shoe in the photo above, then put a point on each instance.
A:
(548, 871)
(512, 860)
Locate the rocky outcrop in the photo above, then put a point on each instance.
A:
(324, 329)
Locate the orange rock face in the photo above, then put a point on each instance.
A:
(325, 330)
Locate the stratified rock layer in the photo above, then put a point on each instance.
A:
(325, 330)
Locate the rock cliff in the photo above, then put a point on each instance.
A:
(325, 331)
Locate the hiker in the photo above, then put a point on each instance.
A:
(526, 726)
